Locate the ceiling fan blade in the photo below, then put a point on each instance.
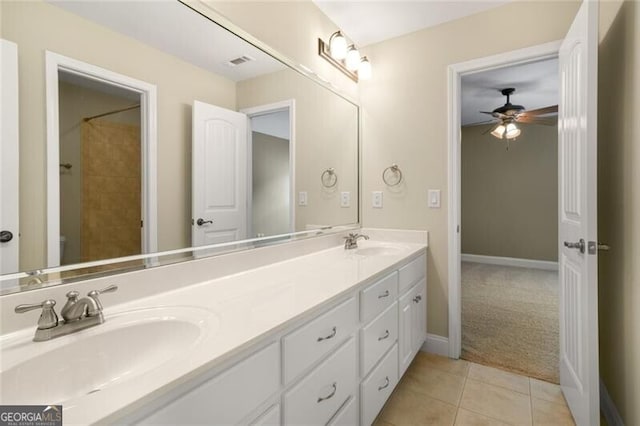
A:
(488, 112)
(545, 121)
(480, 123)
(540, 111)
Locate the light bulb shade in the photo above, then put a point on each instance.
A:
(338, 46)
(364, 71)
(498, 132)
(512, 131)
(352, 61)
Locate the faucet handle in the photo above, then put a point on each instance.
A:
(48, 317)
(94, 295)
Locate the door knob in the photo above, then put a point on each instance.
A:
(201, 221)
(579, 245)
(594, 246)
(6, 236)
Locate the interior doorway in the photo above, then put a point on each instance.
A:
(509, 225)
(271, 141)
(101, 163)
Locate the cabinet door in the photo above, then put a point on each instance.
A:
(419, 315)
(406, 343)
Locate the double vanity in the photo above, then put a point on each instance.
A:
(303, 332)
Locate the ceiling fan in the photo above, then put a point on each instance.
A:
(509, 114)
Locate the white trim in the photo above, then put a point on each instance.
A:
(455, 72)
(511, 261)
(288, 105)
(435, 344)
(608, 408)
(9, 158)
(148, 137)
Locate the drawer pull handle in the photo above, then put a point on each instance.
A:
(386, 384)
(332, 335)
(385, 294)
(386, 334)
(333, 392)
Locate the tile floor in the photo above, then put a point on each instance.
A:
(440, 391)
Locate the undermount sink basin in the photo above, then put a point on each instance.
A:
(125, 346)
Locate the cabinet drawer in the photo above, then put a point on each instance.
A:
(271, 417)
(348, 414)
(376, 389)
(311, 341)
(322, 392)
(378, 336)
(228, 397)
(412, 272)
(378, 296)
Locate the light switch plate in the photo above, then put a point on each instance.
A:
(345, 199)
(376, 199)
(302, 198)
(433, 198)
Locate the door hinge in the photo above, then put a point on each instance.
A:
(458, 229)
(142, 224)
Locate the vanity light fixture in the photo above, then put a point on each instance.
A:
(338, 46)
(344, 57)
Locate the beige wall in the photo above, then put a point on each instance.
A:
(619, 204)
(36, 26)
(510, 197)
(405, 118)
(75, 103)
(326, 135)
(271, 183)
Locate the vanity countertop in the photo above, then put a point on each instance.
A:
(244, 308)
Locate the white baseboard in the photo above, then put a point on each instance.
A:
(511, 261)
(608, 408)
(436, 345)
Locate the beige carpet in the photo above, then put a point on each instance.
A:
(510, 319)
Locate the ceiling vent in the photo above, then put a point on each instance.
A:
(240, 60)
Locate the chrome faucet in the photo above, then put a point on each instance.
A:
(351, 241)
(77, 314)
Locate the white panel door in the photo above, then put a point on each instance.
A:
(219, 174)
(579, 375)
(9, 201)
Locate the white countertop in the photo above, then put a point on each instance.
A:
(245, 307)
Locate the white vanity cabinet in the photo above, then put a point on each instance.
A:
(336, 367)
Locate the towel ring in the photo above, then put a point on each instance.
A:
(396, 172)
(329, 178)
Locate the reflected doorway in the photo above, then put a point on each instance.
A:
(271, 142)
(101, 163)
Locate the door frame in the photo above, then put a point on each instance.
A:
(9, 158)
(148, 138)
(454, 74)
(289, 105)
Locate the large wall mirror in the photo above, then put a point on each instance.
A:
(131, 128)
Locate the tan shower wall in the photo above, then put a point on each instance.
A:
(110, 190)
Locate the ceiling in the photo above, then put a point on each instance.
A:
(369, 22)
(175, 29)
(536, 85)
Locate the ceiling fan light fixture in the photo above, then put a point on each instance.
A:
(498, 132)
(338, 46)
(512, 131)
